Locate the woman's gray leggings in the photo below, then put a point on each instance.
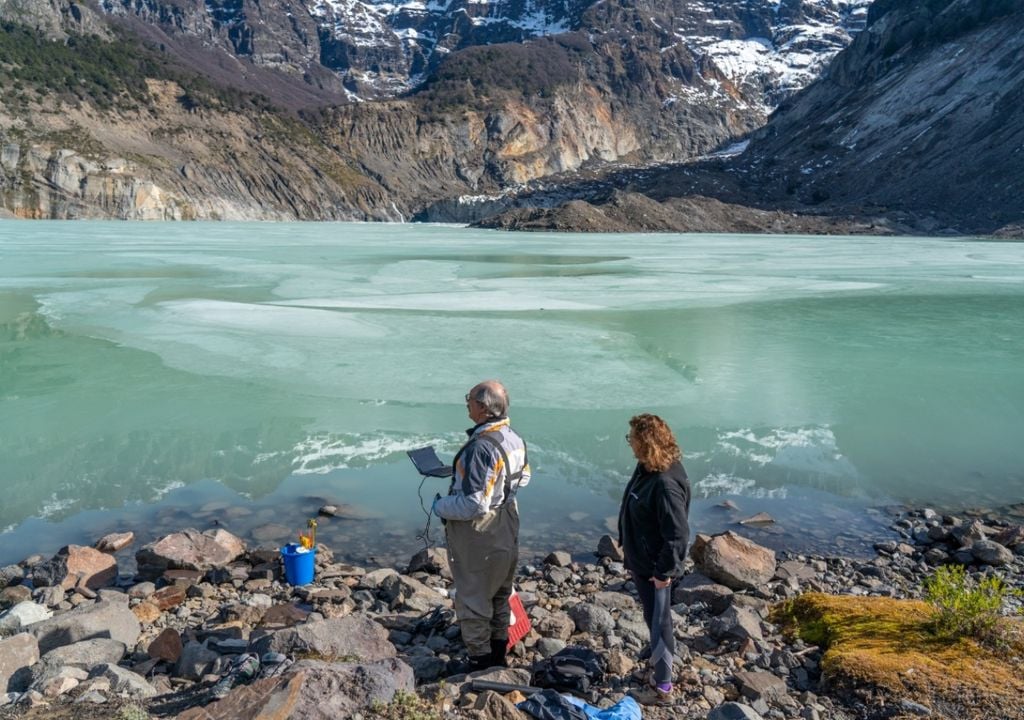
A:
(657, 606)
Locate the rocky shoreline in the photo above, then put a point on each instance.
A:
(206, 628)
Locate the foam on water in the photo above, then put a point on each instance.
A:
(810, 450)
(322, 453)
(716, 484)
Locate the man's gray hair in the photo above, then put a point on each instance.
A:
(493, 396)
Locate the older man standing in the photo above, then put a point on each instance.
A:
(482, 523)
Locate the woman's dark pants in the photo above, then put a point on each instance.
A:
(657, 606)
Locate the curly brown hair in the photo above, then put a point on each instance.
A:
(653, 442)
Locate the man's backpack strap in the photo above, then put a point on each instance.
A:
(509, 477)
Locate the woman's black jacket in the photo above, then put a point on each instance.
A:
(653, 521)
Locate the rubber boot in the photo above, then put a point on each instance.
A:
(498, 649)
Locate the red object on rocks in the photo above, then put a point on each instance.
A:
(518, 621)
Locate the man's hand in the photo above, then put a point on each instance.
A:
(659, 584)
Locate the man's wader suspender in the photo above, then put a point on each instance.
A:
(504, 458)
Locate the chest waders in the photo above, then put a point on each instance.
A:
(484, 553)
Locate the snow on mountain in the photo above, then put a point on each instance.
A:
(778, 58)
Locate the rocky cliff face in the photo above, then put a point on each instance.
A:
(506, 93)
(922, 114)
(916, 127)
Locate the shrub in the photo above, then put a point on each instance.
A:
(964, 607)
(407, 706)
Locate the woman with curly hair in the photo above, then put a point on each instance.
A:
(654, 531)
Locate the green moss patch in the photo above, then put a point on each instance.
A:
(886, 646)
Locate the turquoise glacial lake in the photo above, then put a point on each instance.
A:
(161, 376)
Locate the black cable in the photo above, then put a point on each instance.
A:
(425, 535)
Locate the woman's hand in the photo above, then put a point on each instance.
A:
(659, 584)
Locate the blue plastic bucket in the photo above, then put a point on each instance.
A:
(298, 564)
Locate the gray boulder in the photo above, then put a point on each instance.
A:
(592, 618)
(733, 560)
(96, 620)
(17, 655)
(125, 682)
(11, 574)
(736, 622)
(760, 685)
(313, 690)
(196, 660)
(84, 655)
(353, 637)
(698, 588)
(991, 553)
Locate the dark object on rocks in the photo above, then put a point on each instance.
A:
(572, 669)
(549, 705)
(482, 684)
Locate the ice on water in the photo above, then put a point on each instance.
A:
(781, 360)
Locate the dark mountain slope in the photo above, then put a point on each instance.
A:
(924, 114)
(917, 127)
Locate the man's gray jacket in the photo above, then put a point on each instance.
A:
(479, 474)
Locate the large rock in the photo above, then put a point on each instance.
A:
(17, 655)
(760, 685)
(591, 618)
(352, 638)
(76, 565)
(735, 622)
(698, 588)
(432, 560)
(312, 690)
(22, 614)
(84, 655)
(166, 646)
(125, 682)
(189, 550)
(991, 553)
(195, 660)
(733, 560)
(105, 619)
(11, 574)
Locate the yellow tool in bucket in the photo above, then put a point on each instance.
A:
(308, 540)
